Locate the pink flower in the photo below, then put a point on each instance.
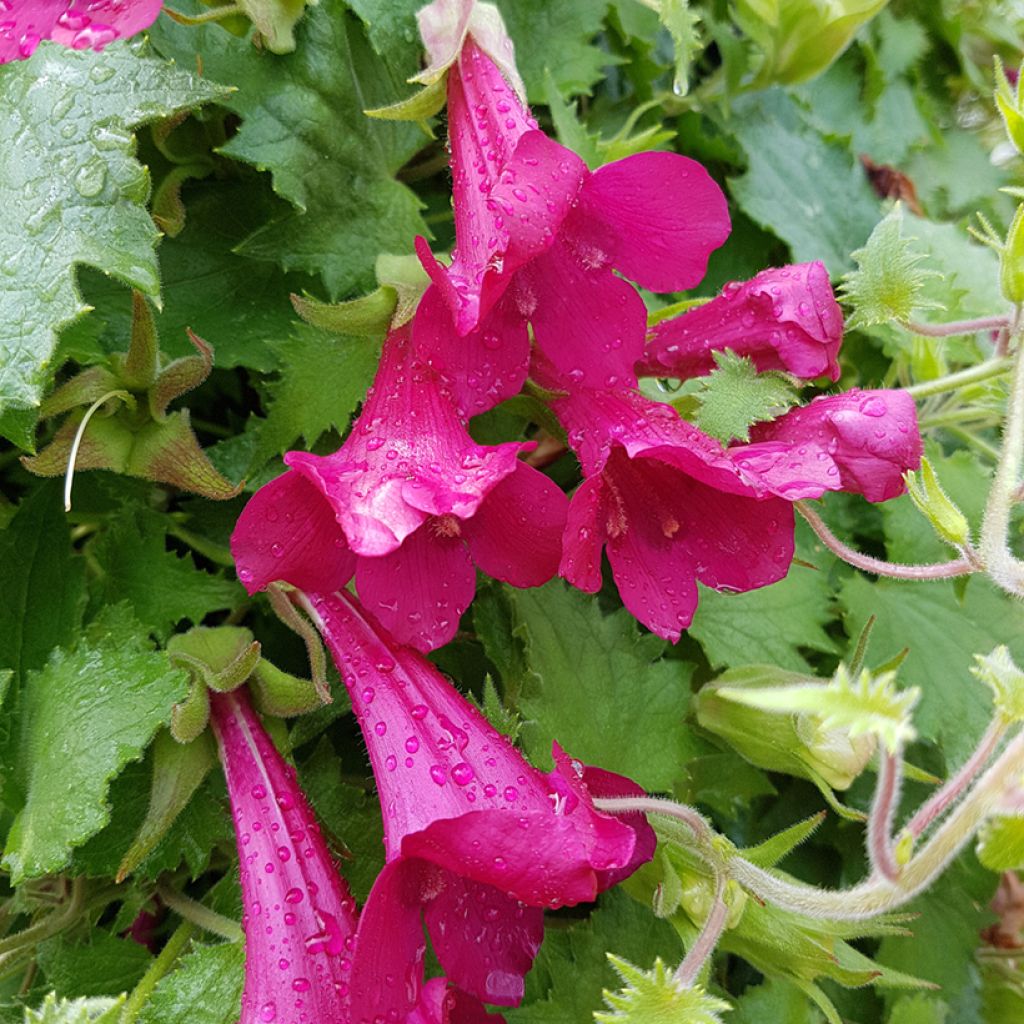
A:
(299, 918)
(301, 938)
(669, 506)
(409, 504)
(477, 841)
(859, 441)
(785, 318)
(533, 222)
(80, 24)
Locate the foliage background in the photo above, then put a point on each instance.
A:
(280, 185)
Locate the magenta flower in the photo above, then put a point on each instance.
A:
(859, 441)
(669, 506)
(477, 841)
(409, 504)
(299, 918)
(441, 1004)
(80, 24)
(785, 318)
(533, 222)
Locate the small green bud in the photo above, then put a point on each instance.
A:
(1000, 673)
(1010, 102)
(937, 507)
(1011, 262)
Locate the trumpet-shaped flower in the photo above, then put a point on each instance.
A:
(80, 24)
(669, 506)
(532, 221)
(785, 318)
(477, 841)
(859, 441)
(409, 504)
(298, 915)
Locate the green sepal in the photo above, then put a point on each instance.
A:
(668, 893)
(1011, 260)
(167, 208)
(655, 997)
(82, 389)
(223, 657)
(178, 771)
(774, 848)
(190, 717)
(137, 368)
(1010, 102)
(1000, 673)
(936, 506)
(180, 376)
(298, 623)
(275, 20)
(368, 315)
(106, 444)
(406, 275)
(282, 695)
(421, 106)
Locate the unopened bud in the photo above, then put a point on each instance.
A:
(1010, 102)
(1011, 262)
(936, 506)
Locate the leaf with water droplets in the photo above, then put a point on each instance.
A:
(205, 988)
(88, 713)
(735, 397)
(72, 193)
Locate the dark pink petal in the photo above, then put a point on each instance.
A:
(440, 1004)
(299, 918)
(484, 940)
(480, 369)
(453, 790)
(387, 969)
(589, 323)
(516, 534)
(859, 441)
(537, 188)
(655, 217)
(420, 591)
(408, 456)
(288, 532)
(81, 24)
(585, 536)
(785, 318)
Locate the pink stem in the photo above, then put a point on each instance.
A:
(883, 810)
(951, 791)
(690, 968)
(877, 566)
(983, 323)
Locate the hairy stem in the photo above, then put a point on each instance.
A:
(191, 910)
(1001, 564)
(654, 805)
(883, 811)
(878, 566)
(687, 972)
(983, 323)
(962, 378)
(174, 947)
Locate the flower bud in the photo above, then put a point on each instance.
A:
(936, 506)
(1011, 262)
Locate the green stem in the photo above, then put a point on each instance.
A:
(984, 323)
(157, 969)
(199, 19)
(962, 378)
(203, 917)
(1000, 563)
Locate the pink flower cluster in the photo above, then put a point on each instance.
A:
(410, 507)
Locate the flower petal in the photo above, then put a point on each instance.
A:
(516, 534)
(419, 591)
(584, 537)
(785, 318)
(287, 531)
(440, 1004)
(466, 918)
(589, 323)
(655, 217)
(481, 369)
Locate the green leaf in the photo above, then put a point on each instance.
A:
(774, 1000)
(86, 715)
(736, 396)
(302, 119)
(556, 35)
(942, 633)
(206, 988)
(322, 378)
(1001, 844)
(810, 191)
(766, 627)
(105, 965)
(869, 705)
(654, 997)
(887, 283)
(579, 659)
(683, 25)
(163, 589)
(74, 1011)
(73, 193)
(918, 1009)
